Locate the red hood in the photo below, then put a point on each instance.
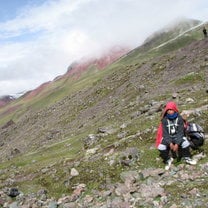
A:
(171, 106)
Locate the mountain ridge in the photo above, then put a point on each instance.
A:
(74, 70)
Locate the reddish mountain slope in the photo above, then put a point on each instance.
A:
(36, 91)
(99, 63)
(76, 69)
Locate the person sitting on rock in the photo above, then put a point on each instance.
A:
(171, 136)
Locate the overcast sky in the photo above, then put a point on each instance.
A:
(39, 39)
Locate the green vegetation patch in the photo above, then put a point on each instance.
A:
(190, 78)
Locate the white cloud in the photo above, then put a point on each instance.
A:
(43, 40)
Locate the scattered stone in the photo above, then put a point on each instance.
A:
(74, 172)
(13, 192)
(175, 95)
(190, 100)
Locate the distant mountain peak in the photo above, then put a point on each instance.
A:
(4, 100)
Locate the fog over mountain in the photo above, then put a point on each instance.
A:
(39, 40)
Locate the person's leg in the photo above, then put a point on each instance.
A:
(164, 152)
(174, 155)
(185, 152)
(180, 154)
(165, 155)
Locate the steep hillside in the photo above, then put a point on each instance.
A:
(90, 124)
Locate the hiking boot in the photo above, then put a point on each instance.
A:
(168, 163)
(190, 161)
